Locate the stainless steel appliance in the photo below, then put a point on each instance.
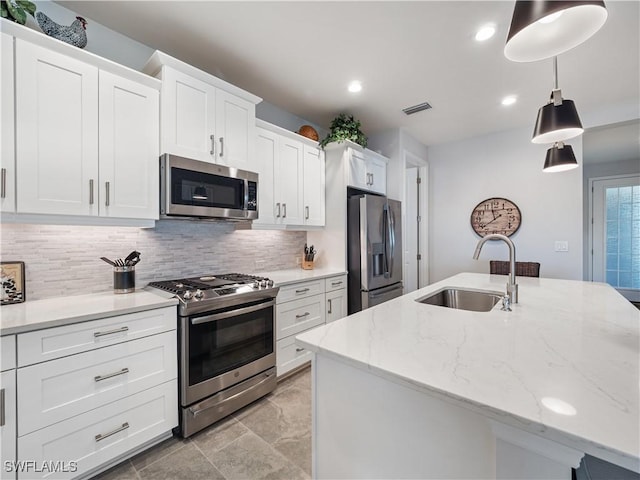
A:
(190, 188)
(226, 344)
(374, 252)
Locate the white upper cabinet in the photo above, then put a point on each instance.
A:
(7, 143)
(292, 179)
(202, 117)
(86, 133)
(57, 132)
(313, 189)
(367, 170)
(128, 173)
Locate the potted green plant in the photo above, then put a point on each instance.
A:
(16, 10)
(345, 127)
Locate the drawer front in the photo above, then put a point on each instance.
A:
(300, 290)
(335, 283)
(8, 352)
(54, 391)
(299, 315)
(289, 355)
(93, 438)
(50, 343)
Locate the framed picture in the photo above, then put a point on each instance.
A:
(12, 278)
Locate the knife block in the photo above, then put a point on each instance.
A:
(306, 265)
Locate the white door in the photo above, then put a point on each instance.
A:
(313, 186)
(8, 430)
(235, 122)
(188, 117)
(289, 180)
(377, 169)
(615, 239)
(57, 132)
(129, 130)
(265, 161)
(8, 153)
(358, 173)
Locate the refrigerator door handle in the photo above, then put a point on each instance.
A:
(392, 239)
(387, 240)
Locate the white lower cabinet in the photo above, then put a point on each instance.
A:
(302, 306)
(84, 442)
(8, 424)
(92, 393)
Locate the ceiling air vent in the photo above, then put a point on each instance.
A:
(416, 108)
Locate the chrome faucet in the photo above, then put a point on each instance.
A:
(512, 286)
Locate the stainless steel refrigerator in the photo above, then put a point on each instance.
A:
(374, 251)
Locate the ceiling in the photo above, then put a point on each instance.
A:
(300, 56)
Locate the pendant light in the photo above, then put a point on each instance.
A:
(542, 29)
(559, 158)
(557, 120)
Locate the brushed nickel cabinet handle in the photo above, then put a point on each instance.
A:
(306, 217)
(213, 144)
(222, 146)
(302, 290)
(2, 419)
(330, 307)
(110, 332)
(91, 191)
(278, 207)
(102, 436)
(3, 183)
(99, 378)
(298, 349)
(335, 284)
(106, 187)
(284, 210)
(305, 314)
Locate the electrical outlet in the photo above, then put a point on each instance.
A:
(298, 260)
(562, 246)
(261, 264)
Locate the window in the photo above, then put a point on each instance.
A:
(616, 233)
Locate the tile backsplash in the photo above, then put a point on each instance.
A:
(65, 260)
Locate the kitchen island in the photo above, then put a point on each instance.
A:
(408, 390)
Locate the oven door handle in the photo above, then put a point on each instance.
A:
(232, 313)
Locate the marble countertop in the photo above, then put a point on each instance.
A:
(564, 364)
(294, 275)
(54, 312)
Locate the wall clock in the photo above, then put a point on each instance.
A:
(496, 215)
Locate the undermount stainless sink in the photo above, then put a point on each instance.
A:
(461, 299)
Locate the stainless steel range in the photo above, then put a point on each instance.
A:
(226, 344)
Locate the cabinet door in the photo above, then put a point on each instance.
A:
(313, 186)
(235, 123)
(289, 178)
(8, 153)
(358, 173)
(129, 130)
(378, 175)
(265, 161)
(336, 304)
(188, 116)
(56, 132)
(8, 426)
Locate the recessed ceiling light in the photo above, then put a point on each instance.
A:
(509, 100)
(355, 86)
(485, 33)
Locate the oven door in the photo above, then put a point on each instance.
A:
(221, 348)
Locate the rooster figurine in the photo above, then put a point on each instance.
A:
(75, 34)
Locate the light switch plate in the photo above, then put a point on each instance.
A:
(260, 264)
(562, 246)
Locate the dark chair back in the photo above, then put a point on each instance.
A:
(523, 269)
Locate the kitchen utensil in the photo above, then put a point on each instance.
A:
(110, 262)
(130, 257)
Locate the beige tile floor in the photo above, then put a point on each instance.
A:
(269, 439)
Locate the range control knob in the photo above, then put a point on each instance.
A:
(199, 294)
(263, 283)
(269, 282)
(187, 295)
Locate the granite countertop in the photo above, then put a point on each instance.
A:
(564, 364)
(54, 312)
(295, 275)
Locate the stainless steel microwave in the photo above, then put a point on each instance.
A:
(191, 188)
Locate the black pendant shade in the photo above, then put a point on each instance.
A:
(534, 35)
(556, 123)
(559, 158)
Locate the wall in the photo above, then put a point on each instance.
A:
(65, 260)
(505, 164)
